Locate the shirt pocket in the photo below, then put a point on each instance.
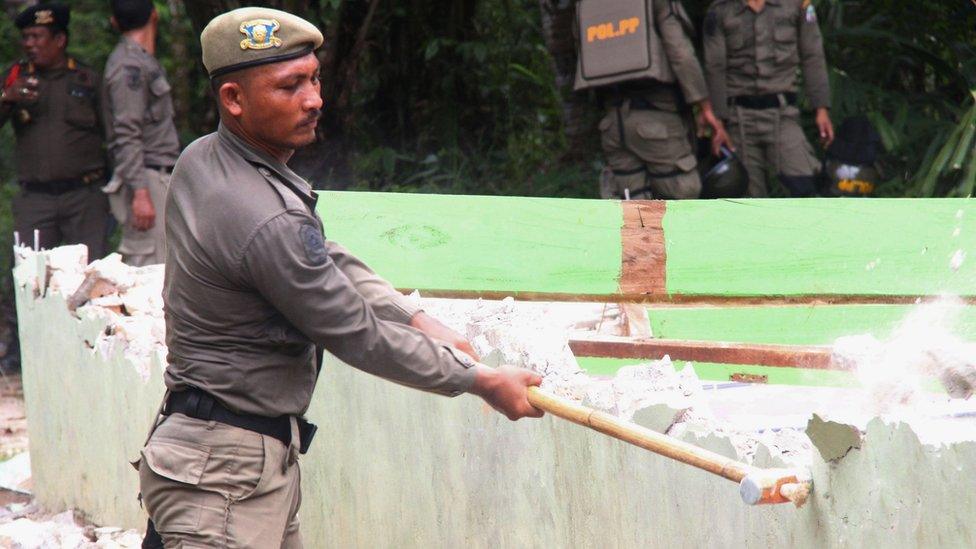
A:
(81, 107)
(735, 29)
(784, 37)
(160, 107)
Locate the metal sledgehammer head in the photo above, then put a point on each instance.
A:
(764, 486)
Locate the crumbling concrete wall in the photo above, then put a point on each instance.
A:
(395, 467)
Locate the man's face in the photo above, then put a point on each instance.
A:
(281, 103)
(43, 46)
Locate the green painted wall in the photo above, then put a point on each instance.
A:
(393, 467)
(819, 246)
(479, 242)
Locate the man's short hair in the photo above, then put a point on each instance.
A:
(131, 14)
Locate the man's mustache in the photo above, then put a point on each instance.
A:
(312, 117)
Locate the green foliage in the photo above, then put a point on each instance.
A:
(460, 96)
(459, 106)
(911, 68)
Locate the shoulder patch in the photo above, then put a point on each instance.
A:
(133, 76)
(314, 244)
(811, 14)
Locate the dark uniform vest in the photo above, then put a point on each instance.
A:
(618, 41)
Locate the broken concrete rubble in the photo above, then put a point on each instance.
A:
(574, 487)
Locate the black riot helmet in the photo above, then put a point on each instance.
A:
(851, 168)
(845, 179)
(725, 177)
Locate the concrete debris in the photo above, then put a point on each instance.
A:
(832, 439)
(128, 299)
(923, 345)
(15, 472)
(40, 531)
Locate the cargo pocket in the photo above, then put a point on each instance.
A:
(686, 163)
(652, 142)
(174, 507)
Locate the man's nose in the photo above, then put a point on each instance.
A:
(312, 100)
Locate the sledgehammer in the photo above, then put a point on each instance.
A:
(756, 486)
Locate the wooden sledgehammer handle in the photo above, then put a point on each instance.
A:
(658, 443)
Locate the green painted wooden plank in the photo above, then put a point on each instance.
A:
(820, 247)
(710, 371)
(789, 325)
(480, 243)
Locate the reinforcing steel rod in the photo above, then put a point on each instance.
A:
(756, 486)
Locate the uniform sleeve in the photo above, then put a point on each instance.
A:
(715, 61)
(288, 263)
(126, 90)
(387, 303)
(679, 50)
(812, 60)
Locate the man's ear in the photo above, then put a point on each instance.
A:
(231, 97)
(61, 40)
(114, 22)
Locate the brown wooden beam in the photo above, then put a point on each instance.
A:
(788, 356)
(663, 300)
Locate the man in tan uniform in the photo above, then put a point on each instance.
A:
(142, 135)
(253, 289)
(53, 103)
(648, 132)
(753, 49)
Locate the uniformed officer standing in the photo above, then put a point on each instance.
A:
(648, 131)
(753, 49)
(53, 102)
(142, 135)
(252, 288)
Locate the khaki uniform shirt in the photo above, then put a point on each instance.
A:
(63, 138)
(252, 287)
(138, 114)
(749, 53)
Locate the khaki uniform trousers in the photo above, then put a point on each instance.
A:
(208, 484)
(652, 157)
(771, 140)
(141, 248)
(79, 216)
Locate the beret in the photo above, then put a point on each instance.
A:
(46, 14)
(248, 37)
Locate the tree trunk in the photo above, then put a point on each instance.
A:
(558, 19)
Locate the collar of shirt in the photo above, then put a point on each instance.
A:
(744, 5)
(257, 157)
(131, 44)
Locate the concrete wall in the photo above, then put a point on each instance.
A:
(395, 467)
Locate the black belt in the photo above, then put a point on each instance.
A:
(638, 97)
(61, 186)
(763, 101)
(158, 168)
(200, 405)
